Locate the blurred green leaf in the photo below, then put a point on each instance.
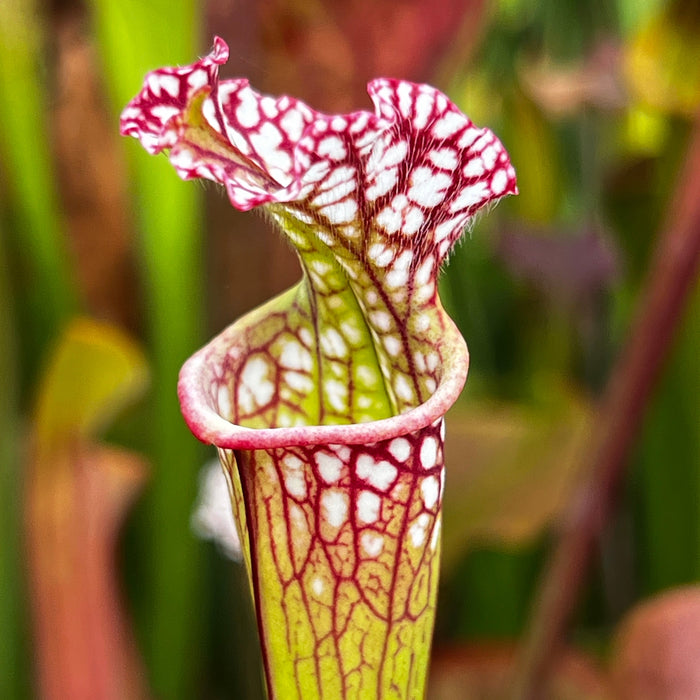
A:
(44, 277)
(94, 371)
(663, 59)
(135, 37)
(533, 150)
(667, 479)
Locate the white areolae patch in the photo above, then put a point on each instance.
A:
(343, 451)
(333, 345)
(474, 168)
(428, 187)
(423, 107)
(383, 182)
(381, 320)
(305, 336)
(164, 112)
(293, 124)
(389, 219)
(366, 375)
(299, 524)
(499, 182)
(336, 393)
(435, 537)
(394, 155)
(255, 389)
(399, 272)
(372, 543)
(335, 506)
(405, 98)
(170, 84)
(332, 147)
(417, 531)
(335, 193)
(422, 323)
(295, 484)
(266, 142)
(154, 83)
(247, 112)
(429, 452)
(343, 175)
(444, 158)
(268, 106)
(371, 296)
(403, 387)
(329, 466)
(339, 124)
(397, 278)
(430, 488)
(223, 401)
(341, 212)
(198, 79)
(380, 254)
(291, 461)
(413, 219)
(296, 356)
(424, 274)
(380, 474)
(432, 360)
(368, 506)
(294, 478)
(489, 156)
(299, 382)
(448, 125)
(400, 449)
(317, 172)
(392, 343)
(419, 360)
(446, 228)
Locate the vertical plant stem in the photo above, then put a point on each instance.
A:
(672, 279)
(136, 36)
(13, 675)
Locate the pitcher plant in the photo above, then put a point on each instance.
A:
(326, 403)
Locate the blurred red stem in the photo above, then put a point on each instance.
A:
(671, 281)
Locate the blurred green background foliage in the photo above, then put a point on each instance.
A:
(595, 101)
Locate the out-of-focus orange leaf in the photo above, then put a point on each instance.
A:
(662, 62)
(77, 494)
(657, 652)
(565, 90)
(75, 504)
(510, 471)
(483, 673)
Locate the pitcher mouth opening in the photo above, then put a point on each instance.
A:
(205, 395)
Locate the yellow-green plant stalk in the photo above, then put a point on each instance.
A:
(327, 403)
